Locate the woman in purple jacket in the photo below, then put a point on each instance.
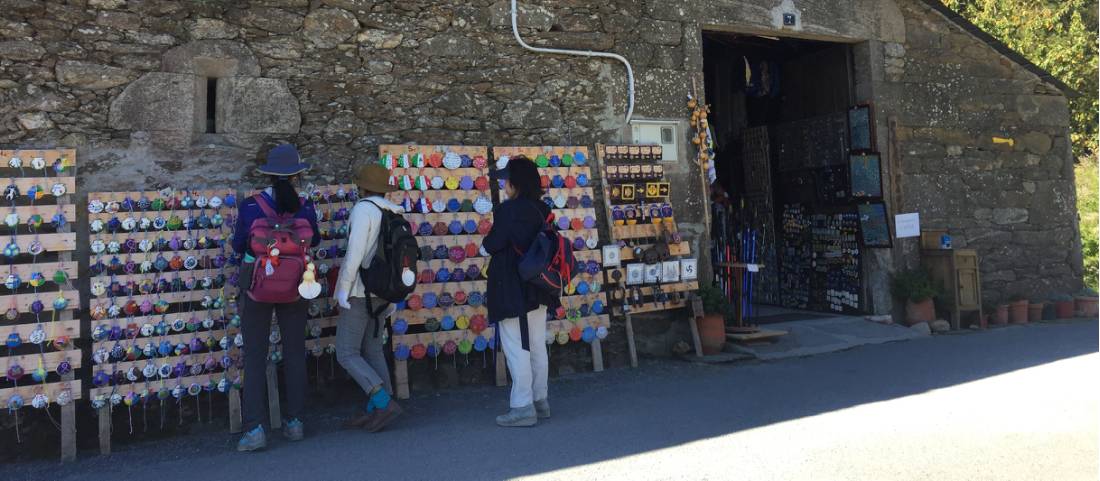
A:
(285, 166)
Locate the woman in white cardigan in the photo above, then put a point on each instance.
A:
(358, 343)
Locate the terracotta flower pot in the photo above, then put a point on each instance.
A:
(1087, 307)
(1017, 312)
(712, 333)
(918, 312)
(1035, 312)
(1063, 309)
(1001, 316)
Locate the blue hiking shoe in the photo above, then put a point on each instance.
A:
(293, 430)
(252, 440)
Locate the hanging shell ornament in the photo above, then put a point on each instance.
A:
(309, 288)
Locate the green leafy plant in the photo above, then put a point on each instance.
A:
(715, 301)
(914, 285)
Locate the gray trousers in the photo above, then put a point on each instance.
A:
(359, 352)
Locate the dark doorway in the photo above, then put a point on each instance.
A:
(779, 119)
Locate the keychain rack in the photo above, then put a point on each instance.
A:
(566, 189)
(414, 169)
(637, 202)
(40, 213)
(194, 338)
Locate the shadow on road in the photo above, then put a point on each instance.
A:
(598, 417)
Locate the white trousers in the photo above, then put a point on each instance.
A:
(529, 369)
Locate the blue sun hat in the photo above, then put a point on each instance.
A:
(283, 160)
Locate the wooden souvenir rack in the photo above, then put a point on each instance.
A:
(633, 176)
(416, 161)
(38, 217)
(200, 308)
(556, 171)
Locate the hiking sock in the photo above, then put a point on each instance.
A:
(380, 399)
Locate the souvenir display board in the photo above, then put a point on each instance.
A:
(163, 302)
(638, 203)
(38, 324)
(447, 197)
(654, 270)
(821, 263)
(567, 179)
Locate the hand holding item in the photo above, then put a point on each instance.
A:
(342, 299)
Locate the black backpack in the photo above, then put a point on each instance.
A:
(547, 265)
(392, 272)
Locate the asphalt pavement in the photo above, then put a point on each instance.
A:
(1010, 403)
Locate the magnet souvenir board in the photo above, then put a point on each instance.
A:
(39, 298)
(447, 198)
(163, 301)
(638, 202)
(866, 175)
(566, 176)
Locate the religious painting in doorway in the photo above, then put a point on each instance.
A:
(861, 134)
(873, 225)
(866, 175)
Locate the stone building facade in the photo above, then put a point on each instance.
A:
(159, 92)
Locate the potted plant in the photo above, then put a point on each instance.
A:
(712, 326)
(1017, 309)
(1035, 310)
(1000, 314)
(1086, 303)
(1063, 306)
(919, 292)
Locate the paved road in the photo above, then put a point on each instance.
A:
(1014, 403)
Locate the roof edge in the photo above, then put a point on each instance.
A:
(1000, 47)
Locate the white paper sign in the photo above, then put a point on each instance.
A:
(907, 225)
(688, 270)
(752, 267)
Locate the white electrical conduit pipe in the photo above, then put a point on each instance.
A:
(581, 53)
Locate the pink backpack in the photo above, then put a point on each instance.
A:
(281, 246)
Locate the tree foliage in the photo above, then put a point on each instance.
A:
(1058, 35)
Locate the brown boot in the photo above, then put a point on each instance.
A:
(360, 420)
(383, 417)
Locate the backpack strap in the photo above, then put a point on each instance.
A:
(268, 211)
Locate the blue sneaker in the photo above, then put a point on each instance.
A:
(293, 430)
(253, 440)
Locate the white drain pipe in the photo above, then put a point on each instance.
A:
(581, 53)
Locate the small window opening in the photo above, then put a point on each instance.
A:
(211, 105)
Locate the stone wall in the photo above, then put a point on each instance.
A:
(983, 150)
(124, 81)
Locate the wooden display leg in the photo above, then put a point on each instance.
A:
(105, 430)
(501, 370)
(68, 427)
(234, 411)
(273, 397)
(630, 341)
(401, 379)
(597, 356)
(693, 321)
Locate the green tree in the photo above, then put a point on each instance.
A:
(1088, 206)
(1058, 35)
